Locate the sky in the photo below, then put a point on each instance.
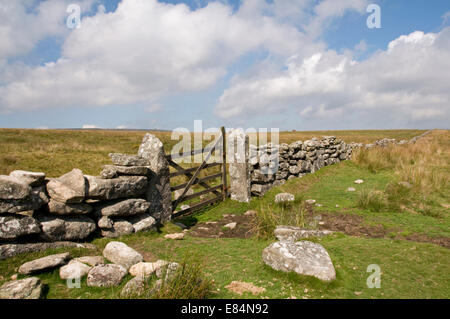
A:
(297, 64)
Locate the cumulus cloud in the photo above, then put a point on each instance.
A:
(89, 126)
(143, 50)
(404, 83)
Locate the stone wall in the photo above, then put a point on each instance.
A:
(131, 195)
(272, 166)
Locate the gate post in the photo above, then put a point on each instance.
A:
(238, 154)
(158, 192)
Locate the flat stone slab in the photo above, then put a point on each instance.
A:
(127, 160)
(143, 222)
(108, 275)
(121, 187)
(60, 208)
(73, 227)
(127, 207)
(303, 257)
(33, 201)
(28, 288)
(112, 171)
(175, 236)
(13, 188)
(122, 254)
(12, 227)
(11, 250)
(290, 233)
(120, 228)
(91, 260)
(44, 263)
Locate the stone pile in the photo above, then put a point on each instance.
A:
(96, 269)
(272, 166)
(131, 195)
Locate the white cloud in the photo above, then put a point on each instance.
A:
(89, 126)
(145, 49)
(406, 84)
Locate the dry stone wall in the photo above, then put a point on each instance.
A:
(131, 195)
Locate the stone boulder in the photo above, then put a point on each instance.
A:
(121, 254)
(108, 275)
(74, 270)
(30, 178)
(158, 192)
(28, 288)
(142, 222)
(44, 263)
(13, 188)
(91, 260)
(284, 197)
(127, 160)
(121, 187)
(112, 171)
(134, 287)
(13, 227)
(68, 228)
(60, 208)
(105, 222)
(120, 228)
(128, 207)
(304, 258)
(69, 188)
(33, 201)
(146, 269)
(290, 233)
(175, 236)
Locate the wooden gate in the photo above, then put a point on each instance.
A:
(220, 191)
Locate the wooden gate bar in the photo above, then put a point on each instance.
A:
(206, 191)
(191, 170)
(196, 207)
(197, 172)
(199, 181)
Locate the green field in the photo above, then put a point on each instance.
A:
(405, 232)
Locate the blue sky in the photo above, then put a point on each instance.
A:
(240, 83)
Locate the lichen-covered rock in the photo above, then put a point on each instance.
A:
(60, 208)
(128, 207)
(91, 260)
(28, 288)
(127, 160)
(13, 227)
(105, 222)
(108, 275)
(146, 269)
(44, 263)
(74, 270)
(112, 171)
(34, 201)
(290, 233)
(122, 254)
(13, 188)
(121, 187)
(69, 188)
(120, 228)
(66, 227)
(158, 192)
(303, 257)
(30, 178)
(142, 222)
(134, 287)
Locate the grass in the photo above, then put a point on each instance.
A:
(410, 269)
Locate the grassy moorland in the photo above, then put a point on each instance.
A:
(56, 152)
(404, 228)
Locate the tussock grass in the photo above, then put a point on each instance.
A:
(424, 167)
(271, 216)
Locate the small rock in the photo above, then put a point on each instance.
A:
(120, 228)
(310, 201)
(176, 236)
(14, 277)
(121, 254)
(251, 213)
(351, 189)
(134, 287)
(143, 222)
(359, 181)
(146, 269)
(28, 288)
(169, 269)
(126, 207)
(44, 263)
(230, 226)
(105, 222)
(106, 275)
(405, 184)
(73, 270)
